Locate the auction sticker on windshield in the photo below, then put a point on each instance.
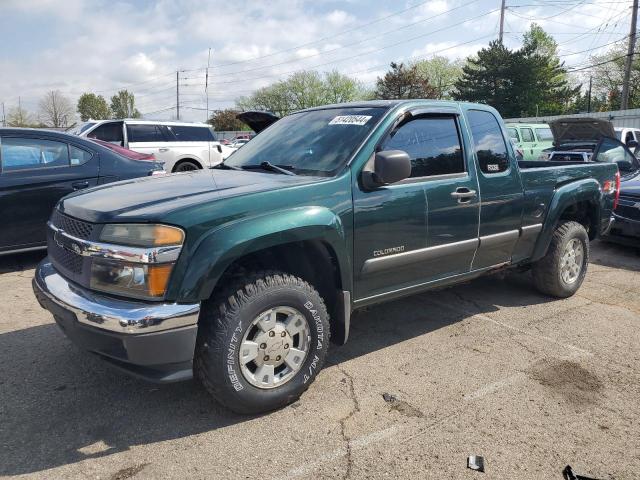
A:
(350, 120)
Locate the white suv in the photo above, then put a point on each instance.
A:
(181, 146)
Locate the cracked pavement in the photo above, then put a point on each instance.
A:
(487, 368)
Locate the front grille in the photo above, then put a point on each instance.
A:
(74, 227)
(73, 266)
(70, 261)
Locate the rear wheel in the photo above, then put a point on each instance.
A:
(562, 270)
(186, 166)
(261, 346)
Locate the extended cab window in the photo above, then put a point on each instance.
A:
(29, 153)
(489, 142)
(192, 134)
(145, 133)
(108, 132)
(432, 143)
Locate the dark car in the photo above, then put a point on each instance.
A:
(39, 167)
(585, 139)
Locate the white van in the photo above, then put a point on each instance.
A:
(181, 146)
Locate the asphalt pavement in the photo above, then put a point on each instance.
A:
(488, 368)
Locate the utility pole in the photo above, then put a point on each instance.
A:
(502, 10)
(206, 83)
(589, 96)
(629, 60)
(178, 94)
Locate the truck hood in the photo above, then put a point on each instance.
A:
(150, 198)
(257, 120)
(580, 129)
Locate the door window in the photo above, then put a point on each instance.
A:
(513, 133)
(78, 156)
(628, 137)
(29, 153)
(191, 134)
(108, 132)
(488, 140)
(544, 134)
(433, 144)
(527, 134)
(145, 133)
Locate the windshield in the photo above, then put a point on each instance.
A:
(316, 142)
(544, 134)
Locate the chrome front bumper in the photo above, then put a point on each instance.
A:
(154, 341)
(112, 314)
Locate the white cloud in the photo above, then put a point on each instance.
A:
(450, 50)
(435, 6)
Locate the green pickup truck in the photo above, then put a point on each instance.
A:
(241, 274)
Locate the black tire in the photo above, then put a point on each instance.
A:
(547, 271)
(186, 166)
(224, 322)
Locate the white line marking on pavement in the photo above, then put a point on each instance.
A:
(510, 327)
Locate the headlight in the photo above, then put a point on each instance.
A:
(139, 261)
(142, 235)
(130, 279)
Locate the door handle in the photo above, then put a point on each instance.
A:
(163, 149)
(79, 185)
(463, 194)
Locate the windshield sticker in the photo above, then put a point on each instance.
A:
(350, 120)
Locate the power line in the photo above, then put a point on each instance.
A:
(342, 47)
(363, 53)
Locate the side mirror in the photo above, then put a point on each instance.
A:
(625, 165)
(219, 149)
(632, 144)
(390, 166)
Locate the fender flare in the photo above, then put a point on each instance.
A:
(219, 248)
(587, 189)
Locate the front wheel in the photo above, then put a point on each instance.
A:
(562, 270)
(260, 347)
(186, 166)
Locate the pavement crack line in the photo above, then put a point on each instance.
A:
(343, 421)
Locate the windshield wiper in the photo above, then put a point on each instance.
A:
(274, 168)
(225, 166)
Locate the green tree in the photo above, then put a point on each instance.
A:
(608, 73)
(488, 78)
(225, 120)
(525, 82)
(303, 89)
(92, 106)
(123, 105)
(56, 110)
(404, 82)
(442, 74)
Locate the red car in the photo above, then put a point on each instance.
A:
(125, 152)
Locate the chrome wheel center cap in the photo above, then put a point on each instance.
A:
(274, 346)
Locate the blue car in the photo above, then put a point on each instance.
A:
(39, 167)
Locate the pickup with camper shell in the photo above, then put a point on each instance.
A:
(241, 275)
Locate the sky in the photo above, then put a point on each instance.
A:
(102, 46)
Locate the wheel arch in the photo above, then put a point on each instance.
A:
(579, 201)
(315, 250)
(187, 159)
